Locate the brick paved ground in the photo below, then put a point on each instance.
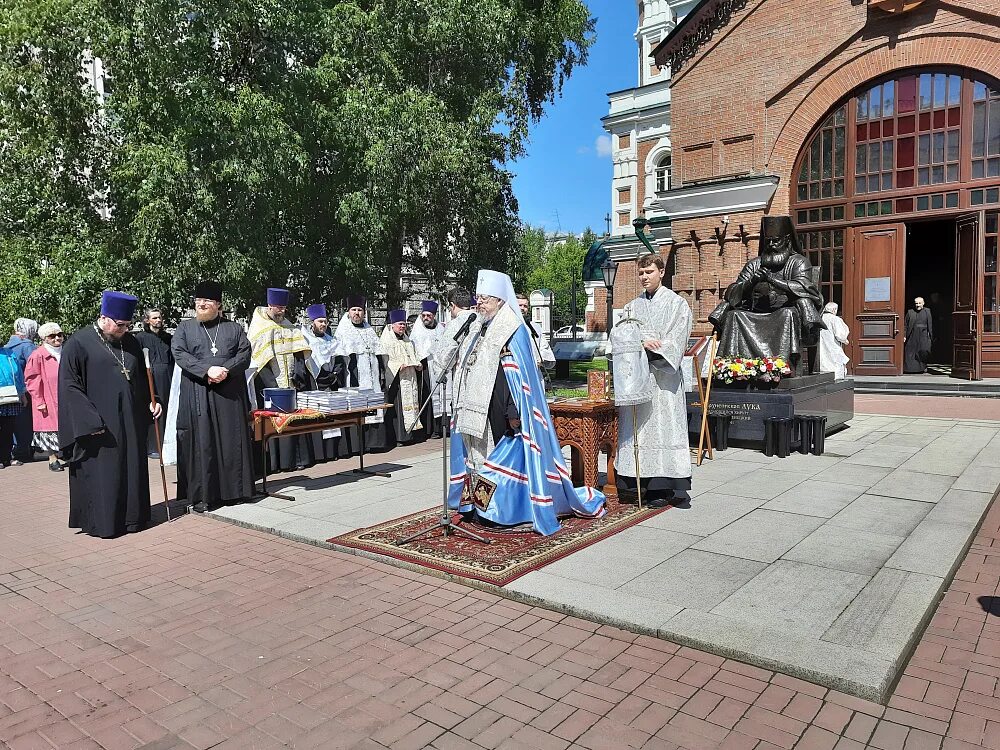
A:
(200, 634)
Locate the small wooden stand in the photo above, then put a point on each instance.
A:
(704, 347)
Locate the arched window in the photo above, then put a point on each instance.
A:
(918, 142)
(663, 173)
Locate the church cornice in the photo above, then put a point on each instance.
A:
(695, 30)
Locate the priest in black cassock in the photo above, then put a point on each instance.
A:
(214, 464)
(104, 414)
(161, 362)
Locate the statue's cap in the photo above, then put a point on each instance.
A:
(776, 226)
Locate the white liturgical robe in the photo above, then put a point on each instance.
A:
(662, 427)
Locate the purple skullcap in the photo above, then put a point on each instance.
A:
(278, 297)
(397, 316)
(118, 305)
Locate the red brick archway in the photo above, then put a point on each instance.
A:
(970, 51)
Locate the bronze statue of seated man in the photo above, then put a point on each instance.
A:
(774, 308)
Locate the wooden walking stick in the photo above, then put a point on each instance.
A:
(156, 430)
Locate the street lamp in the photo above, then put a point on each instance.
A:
(609, 270)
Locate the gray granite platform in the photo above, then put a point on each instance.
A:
(825, 568)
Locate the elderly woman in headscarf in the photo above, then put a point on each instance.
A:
(832, 341)
(21, 345)
(41, 378)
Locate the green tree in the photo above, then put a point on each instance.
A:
(324, 144)
(562, 263)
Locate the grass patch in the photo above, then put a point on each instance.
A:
(579, 370)
(570, 392)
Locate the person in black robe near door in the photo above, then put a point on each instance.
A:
(104, 415)
(161, 363)
(214, 464)
(918, 337)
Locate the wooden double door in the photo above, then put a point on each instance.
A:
(876, 304)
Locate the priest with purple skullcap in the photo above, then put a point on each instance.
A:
(402, 377)
(104, 415)
(214, 464)
(427, 329)
(279, 353)
(360, 352)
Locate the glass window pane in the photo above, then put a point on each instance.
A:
(827, 189)
(952, 145)
(804, 172)
(952, 173)
(951, 200)
(938, 154)
(875, 103)
(925, 91)
(887, 180)
(993, 195)
(993, 168)
(827, 154)
(874, 162)
(978, 91)
(924, 149)
(923, 176)
(873, 183)
(886, 154)
(860, 184)
(885, 207)
(813, 190)
(954, 90)
(978, 169)
(992, 219)
(990, 293)
(922, 202)
(800, 217)
(803, 192)
(991, 254)
(993, 136)
(873, 209)
(907, 94)
(814, 159)
(937, 200)
(862, 108)
(990, 323)
(860, 160)
(937, 174)
(838, 264)
(838, 212)
(939, 89)
(976, 197)
(904, 153)
(838, 188)
(888, 94)
(859, 210)
(838, 152)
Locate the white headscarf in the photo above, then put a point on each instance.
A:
(831, 307)
(26, 327)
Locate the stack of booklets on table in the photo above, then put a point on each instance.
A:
(346, 399)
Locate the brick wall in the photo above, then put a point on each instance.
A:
(751, 95)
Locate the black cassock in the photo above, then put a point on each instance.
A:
(161, 363)
(108, 473)
(919, 338)
(214, 463)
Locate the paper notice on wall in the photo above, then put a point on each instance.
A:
(333, 433)
(878, 289)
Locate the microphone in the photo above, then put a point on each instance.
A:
(464, 330)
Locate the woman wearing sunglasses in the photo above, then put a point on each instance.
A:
(41, 377)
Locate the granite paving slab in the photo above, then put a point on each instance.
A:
(695, 579)
(762, 535)
(794, 597)
(880, 514)
(816, 498)
(847, 549)
(914, 485)
(642, 548)
(824, 568)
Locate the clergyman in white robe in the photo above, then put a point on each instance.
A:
(662, 427)
(424, 338)
(832, 341)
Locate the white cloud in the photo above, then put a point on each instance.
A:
(603, 145)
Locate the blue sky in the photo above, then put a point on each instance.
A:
(564, 182)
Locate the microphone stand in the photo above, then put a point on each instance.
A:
(444, 522)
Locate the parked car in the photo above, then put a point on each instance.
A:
(566, 332)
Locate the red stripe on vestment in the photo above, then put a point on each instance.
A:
(506, 472)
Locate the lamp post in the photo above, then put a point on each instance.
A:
(609, 270)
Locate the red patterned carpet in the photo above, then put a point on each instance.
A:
(511, 554)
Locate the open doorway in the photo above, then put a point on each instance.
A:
(930, 273)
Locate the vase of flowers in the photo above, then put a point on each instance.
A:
(745, 372)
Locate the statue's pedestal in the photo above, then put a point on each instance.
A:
(814, 395)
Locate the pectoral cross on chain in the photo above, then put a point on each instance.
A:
(125, 372)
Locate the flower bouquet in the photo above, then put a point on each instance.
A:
(765, 370)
